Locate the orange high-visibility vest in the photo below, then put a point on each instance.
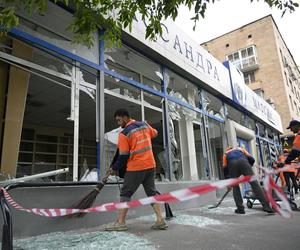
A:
(237, 152)
(135, 141)
(282, 158)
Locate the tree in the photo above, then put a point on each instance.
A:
(112, 16)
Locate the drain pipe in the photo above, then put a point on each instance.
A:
(7, 234)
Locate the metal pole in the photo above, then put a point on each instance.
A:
(76, 123)
(100, 106)
(36, 176)
(101, 124)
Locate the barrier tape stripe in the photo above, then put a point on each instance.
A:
(172, 197)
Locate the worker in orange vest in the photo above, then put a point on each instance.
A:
(239, 161)
(276, 165)
(136, 156)
(290, 173)
(294, 126)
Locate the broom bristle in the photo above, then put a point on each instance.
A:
(89, 199)
(86, 202)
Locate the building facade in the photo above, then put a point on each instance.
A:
(269, 69)
(58, 100)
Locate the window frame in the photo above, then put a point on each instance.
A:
(240, 61)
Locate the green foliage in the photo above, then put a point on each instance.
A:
(111, 16)
(8, 19)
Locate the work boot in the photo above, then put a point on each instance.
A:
(269, 210)
(240, 210)
(116, 227)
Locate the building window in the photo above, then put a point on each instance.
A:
(260, 92)
(130, 63)
(291, 102)
(285, 63)
(181, 88)
(212, 105)
(291, 84)
(235, 59)
(286, 79)
(295, 104)
(244, 59)
(249, 77)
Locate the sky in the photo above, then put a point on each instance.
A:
(227, 15)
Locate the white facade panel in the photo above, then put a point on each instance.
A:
(247, 98)
(180, 49)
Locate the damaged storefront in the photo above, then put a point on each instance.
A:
(58, 101)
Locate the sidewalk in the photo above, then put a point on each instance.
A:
(197, 228)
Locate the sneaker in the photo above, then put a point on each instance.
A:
(160, 225)
(240, 211)
(116, 227)
(268, 210)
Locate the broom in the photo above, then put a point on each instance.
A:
(90, 198)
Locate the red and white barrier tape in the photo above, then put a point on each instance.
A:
(172, 197)
(279, 170)
(285, 209)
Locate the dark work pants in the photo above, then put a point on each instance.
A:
(240, 167)
(287, 177)
(133, 179)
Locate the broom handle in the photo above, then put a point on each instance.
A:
(103, 181)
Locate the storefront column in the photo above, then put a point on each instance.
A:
(166, 119)
(15, 107)
(189, 163)
(187, 140)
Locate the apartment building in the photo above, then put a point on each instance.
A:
(260, 52)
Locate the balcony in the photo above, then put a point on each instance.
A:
(249, 64)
